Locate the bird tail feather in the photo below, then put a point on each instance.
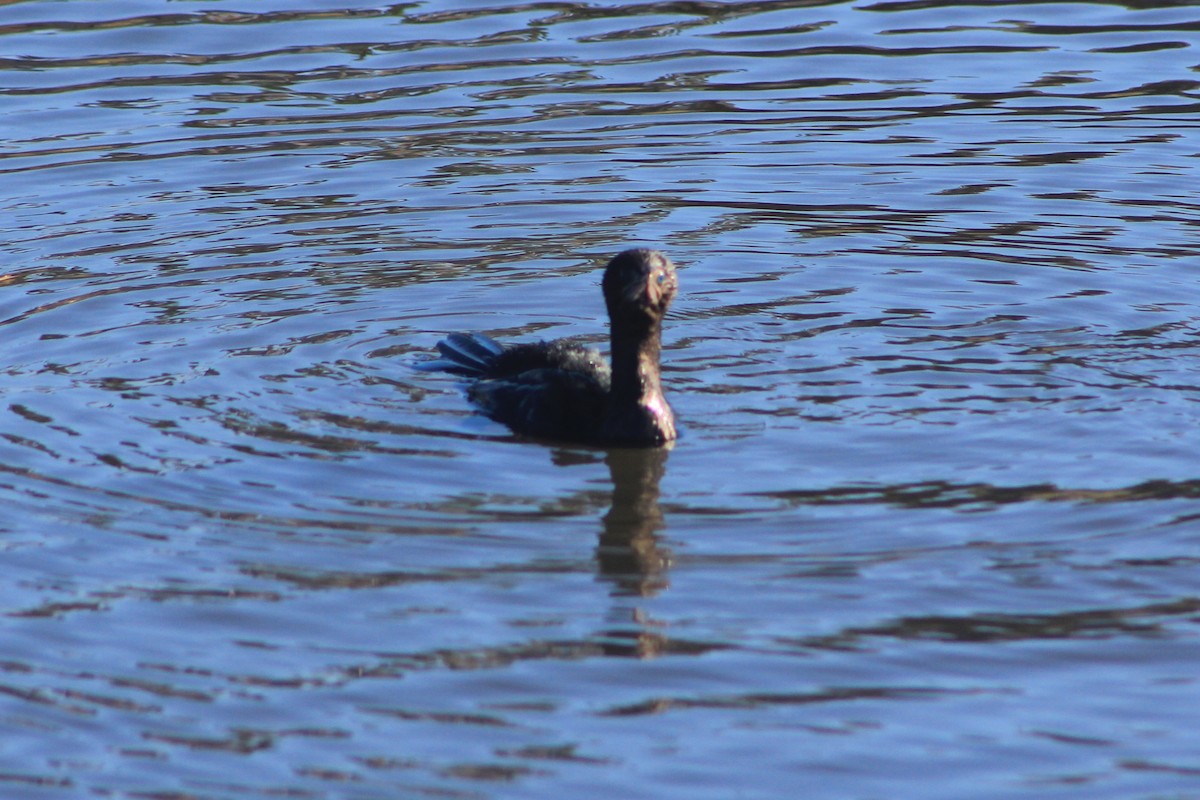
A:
(465, 354)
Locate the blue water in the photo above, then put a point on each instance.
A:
(932, 527)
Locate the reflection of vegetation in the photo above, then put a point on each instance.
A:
(990, 627)
(565, 12)
(660, 705)
(945, 494)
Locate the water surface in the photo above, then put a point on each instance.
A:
(933, 526)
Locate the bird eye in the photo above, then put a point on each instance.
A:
(661, 278)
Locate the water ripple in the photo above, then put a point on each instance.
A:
(933, 356)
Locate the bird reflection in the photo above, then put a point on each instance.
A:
(629, 553)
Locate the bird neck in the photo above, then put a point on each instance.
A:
(635, 362)
(638, 412)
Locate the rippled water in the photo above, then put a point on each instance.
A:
(933, 527)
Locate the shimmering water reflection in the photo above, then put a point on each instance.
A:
(932, 526)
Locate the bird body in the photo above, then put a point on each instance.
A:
(564, 391)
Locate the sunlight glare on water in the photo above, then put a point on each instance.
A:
(931, 529)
